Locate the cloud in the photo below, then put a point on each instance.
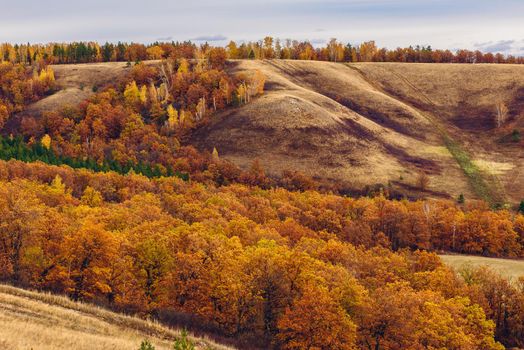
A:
(217, 37)
(391, 23)
(318, 41)
(497, 46)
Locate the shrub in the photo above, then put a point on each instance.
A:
(515, 136)
(183, 343)
(146, 345)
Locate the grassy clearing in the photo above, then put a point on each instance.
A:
(32, 320)
(509, 268)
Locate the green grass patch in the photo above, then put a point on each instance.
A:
(472, 171)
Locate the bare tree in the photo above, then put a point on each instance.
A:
(502, 114)
(166, 72)
(422, 181)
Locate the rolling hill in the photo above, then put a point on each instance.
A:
(363, 124)
(32, 320)
(368, 123)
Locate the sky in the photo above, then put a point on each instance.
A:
(494, 25)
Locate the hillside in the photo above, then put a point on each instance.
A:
(361, 124)
(32, 320)
(368, 123)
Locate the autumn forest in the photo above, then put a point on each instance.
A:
(109, 202)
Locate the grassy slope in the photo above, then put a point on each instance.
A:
(32, 320)
(461, 99)
(507, 267)
(363, 124)
(378, 123)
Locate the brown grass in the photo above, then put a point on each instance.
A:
(32, 320)
(76, 82)
(507, 267)
(361, 124)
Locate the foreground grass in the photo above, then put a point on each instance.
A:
(506, 267)
(32, 320)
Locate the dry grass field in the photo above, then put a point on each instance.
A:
(506, 267)
(369, 123)
(76, 82)
(31, 320)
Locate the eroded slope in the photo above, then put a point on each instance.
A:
(328, 120)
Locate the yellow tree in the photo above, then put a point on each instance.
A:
(143, 95)
(88, 253)
(155, 52)
(4, 114)
(368, 51)
(46, 141)
(132, 94)
(172, 118)
(21, 211)
(316, 321)
(91, 197)
(183, 66)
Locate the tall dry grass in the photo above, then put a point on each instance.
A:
(34, 320)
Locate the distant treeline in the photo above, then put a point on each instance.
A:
(16, 148)
(268, 48)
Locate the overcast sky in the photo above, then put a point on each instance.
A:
(494, 25)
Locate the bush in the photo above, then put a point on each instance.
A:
(515, 136)
(146, 345)
(182, 343)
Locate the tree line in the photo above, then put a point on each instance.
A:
(268, 48)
